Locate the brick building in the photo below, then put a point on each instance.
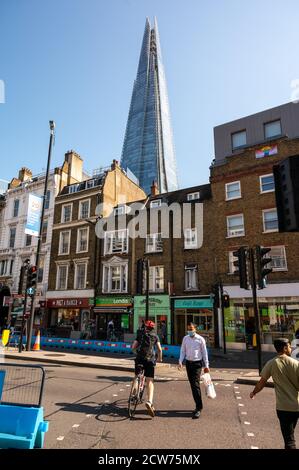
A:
(74, 270)
(181, 269)
(244, 200)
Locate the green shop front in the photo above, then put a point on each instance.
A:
(198, 311)
(119, 309)
(159, 312)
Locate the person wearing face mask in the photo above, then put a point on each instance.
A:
(194, 350)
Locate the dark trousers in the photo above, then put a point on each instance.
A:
(193, 372)
(288, 421)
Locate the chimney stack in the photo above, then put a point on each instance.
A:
(25, 174)
(154, 189)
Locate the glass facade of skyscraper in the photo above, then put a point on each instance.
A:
(148, 149)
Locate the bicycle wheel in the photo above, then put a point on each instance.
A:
(134, 397)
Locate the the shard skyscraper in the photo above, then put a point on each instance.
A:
(148, 149)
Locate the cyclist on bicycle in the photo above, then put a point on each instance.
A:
(144, 345)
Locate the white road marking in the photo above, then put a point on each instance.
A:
(88, 416)
(254, 447)
(228, 385)
(236, 387)
(237, 392)
(128, 385)
(246, 422)
(60, 438)
(75, 425)
(115, 395)
(240, 404)
(243, 412)
(121, 389)
(239, 398)
(250, 434)
(106, 401)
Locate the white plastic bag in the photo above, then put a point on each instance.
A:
(209, 387)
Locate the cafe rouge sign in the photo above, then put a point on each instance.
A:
(69, 303)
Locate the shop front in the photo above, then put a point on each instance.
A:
(159, 312)
(114, 318)
(195, 310)
(279, 317)
(69, 318)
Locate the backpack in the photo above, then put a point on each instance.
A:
(146, 346)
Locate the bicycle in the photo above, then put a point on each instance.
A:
(137, 391)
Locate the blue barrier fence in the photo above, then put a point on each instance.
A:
(97, 346)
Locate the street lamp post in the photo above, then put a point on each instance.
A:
(52, 128)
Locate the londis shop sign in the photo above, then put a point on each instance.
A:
(114, 301)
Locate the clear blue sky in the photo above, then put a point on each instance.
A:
(75, 61)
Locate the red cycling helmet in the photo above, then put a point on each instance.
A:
(150, 324)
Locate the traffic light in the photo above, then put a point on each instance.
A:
(225, 301)
(139, 278)
(32, 277)
(261, 262)
(241, 264)
(286, 178)
(215, 294)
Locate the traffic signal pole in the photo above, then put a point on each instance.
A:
(147, 290)
(222, 315)
(256, 309)
(31, 321)
(23, 322)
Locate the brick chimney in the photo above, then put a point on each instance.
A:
(25, 174)
(115, 164)
(154, 189)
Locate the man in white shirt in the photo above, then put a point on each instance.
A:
(194, 350)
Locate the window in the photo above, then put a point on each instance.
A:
(191, 277)
(116, 242)
(270, 220)
(73, 188)
(64, 243)
(12, 237)
(156, 279)
(154, 243)
(47, 200)
(66, 214)
(16, 205)
(82, 240)
(231, 267)
(119, 210)
(267, 183)
(190, 236)
(156, 203)
(279, 260)
(115, 278)
(28, 240)
(3, 267)
(62, 273)
(44, 231)
(80, 276)
(40, 272)
(235, 225)
(84, 209)
(272, 129)
(233, 190)
(193, 196)
(89, 184)
(11, 266)
(238, 139)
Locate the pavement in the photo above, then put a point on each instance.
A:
(126, 364)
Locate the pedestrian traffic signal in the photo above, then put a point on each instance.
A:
(261, 262)
(286, 178)
(32, 277)
(241, 265)
(225, 301)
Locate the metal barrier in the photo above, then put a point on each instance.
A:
(23, 384)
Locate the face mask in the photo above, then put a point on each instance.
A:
(191, 333)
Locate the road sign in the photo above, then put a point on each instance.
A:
(31, 291)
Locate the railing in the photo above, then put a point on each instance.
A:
(23, 384)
